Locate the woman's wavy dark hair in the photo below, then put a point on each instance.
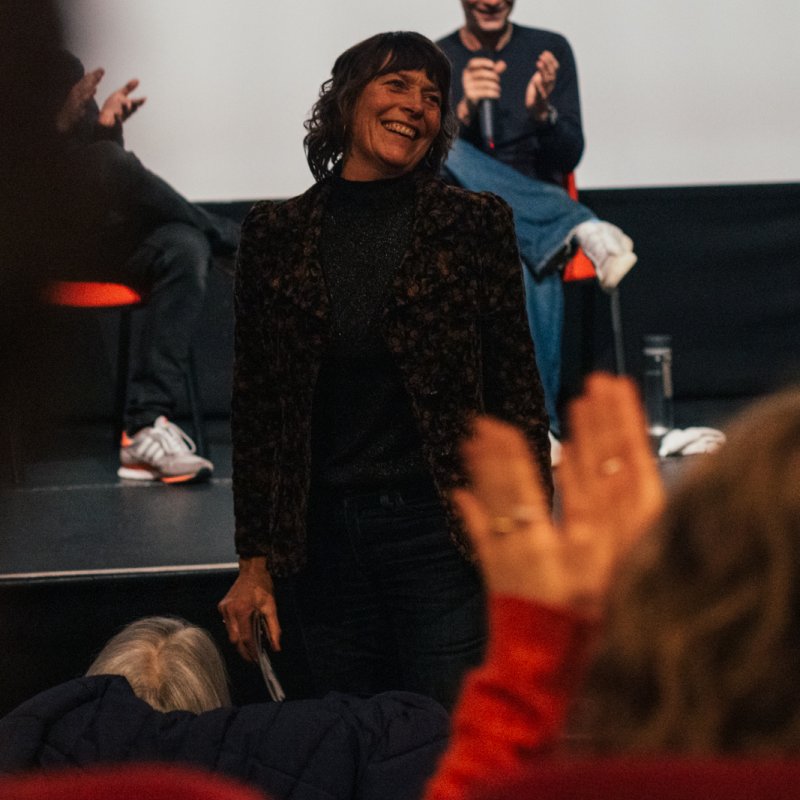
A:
(326, 140)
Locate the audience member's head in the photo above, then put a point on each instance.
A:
(699, 651)
(702, 645)
(169, 663)
(330, 125)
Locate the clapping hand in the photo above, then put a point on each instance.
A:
(541, 85)
(78, 99)
(119, 105)
(610, 489)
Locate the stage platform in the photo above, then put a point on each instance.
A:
(87, 522)
(83, 553)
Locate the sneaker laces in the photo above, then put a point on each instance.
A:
(171, 438)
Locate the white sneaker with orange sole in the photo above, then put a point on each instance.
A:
(162, 452)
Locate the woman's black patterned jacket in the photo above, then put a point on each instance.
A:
(454, 321)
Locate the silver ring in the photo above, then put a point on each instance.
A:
(611, 466)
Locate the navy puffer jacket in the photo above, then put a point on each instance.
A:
(330, 749)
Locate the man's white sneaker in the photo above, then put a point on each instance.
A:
(608, 248)
(162, 452)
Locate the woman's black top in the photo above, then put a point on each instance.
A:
(364, 434)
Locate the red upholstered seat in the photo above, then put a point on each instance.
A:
(125, 782)
(123, 299)
(579, 267)
(90, 294)
(652, 779)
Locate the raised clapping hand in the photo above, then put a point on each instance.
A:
(79, 97)
(610, 489)
(541, 85)
(119, 105)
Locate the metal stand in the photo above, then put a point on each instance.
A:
(616, 329)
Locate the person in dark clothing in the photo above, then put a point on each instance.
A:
(157, 692)
(128, 225)
(543, 145)
(529, 77)
(375, 316)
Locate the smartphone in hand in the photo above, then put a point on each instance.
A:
(261, 638)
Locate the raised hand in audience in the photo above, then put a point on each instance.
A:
(610, 490)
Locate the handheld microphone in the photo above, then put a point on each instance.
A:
(486, 109)
(486, 121)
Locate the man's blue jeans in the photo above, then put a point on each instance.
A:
(544, 216)
(386, 601)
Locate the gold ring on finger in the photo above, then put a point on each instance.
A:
(520, 517)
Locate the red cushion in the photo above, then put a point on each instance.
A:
(653, 779)
(142, 782)
(579, 267)
(90, 294)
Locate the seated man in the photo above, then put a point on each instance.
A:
(127, 225)
(515, 92)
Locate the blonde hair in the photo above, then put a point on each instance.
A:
(169, 663)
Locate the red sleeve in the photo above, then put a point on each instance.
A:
(514, 705)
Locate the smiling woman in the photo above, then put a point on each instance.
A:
(407, 63)
(376, 315)
(395, 122)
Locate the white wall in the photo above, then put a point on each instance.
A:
(674, 91)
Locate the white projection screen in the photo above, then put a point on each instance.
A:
(685, 92)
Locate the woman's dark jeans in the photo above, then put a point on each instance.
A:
(387, 602)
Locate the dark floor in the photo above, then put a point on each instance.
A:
(85, 520)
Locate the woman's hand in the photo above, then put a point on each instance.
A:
(251, 593)
(610, 490)
(610, 485)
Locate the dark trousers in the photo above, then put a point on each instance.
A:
(170, 267)
(386, 601)
(138, 230)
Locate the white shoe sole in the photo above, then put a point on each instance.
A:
(137, 474)
(145, 474)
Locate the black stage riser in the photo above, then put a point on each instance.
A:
(718, 269)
